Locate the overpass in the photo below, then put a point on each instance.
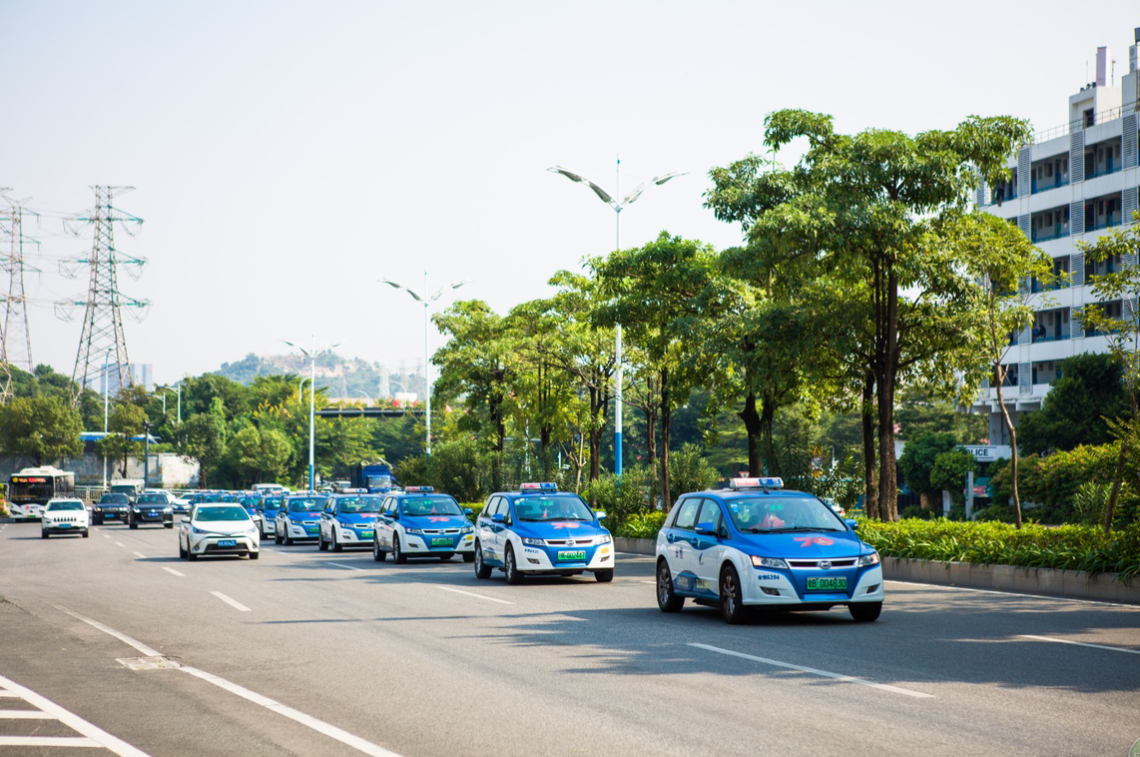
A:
(369, 412)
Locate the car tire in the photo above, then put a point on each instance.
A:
(133, 525)
(468, 557)
(336, 545)
(190, 555)
(182, 553)
(322, 545)
(604, 576)
(96, 521)
(86, 533)
(43, 534)
(511, 568)
(168, 525)
(254, 555)
(667, 598)
(288, 540)
(398, 555)
(731, 607)
(378, 554)
(446, 558)
(865, 612)
(482, 569)
(276, 538)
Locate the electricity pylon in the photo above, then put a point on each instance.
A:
(15, 337)
(103, 321)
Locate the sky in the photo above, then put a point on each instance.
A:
(286, 156)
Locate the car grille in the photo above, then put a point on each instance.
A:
(66, 519)
(814, 564)
(438, 531)
(569, 542)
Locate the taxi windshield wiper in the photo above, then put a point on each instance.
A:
(759, 530)
(799, 529)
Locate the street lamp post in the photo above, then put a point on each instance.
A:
(312, 354)
(618, 206)
(427, 301)
(146, 453)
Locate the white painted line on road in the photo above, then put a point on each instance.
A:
(1096, 602)
(357, 743)
(816, 671)
(172, 571)
(342, 565)
(477, 596)
(1080, 643)
(124, 546)
(231, 602)
(654, 583)
(147, 651)
(24, 715)
(74, 722)
(105, 536)
(140, 555)
(8, 694)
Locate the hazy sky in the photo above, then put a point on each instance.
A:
(288, 155)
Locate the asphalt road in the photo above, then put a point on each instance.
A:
(315, 653)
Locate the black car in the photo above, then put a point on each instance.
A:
(152, 507)
(110, 506)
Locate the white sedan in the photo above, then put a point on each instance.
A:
(218, 529)
(65, 516)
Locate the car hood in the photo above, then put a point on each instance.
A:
(812, 545)
(303, 516)
(223, 526)
(435, 521)
(560, 529)
(356, 518)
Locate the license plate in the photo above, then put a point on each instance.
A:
(227, 542)
(572, 555)
(310, 529)
(827, 584)
(441, 541)
(366, 534)
(65, 525)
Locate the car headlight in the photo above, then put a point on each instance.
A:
(200, 531)
(346, 526)
(468, 530)
(768, 562)
(533, 542)
(168, 509)
(865, 561)
(252, 529)
(416, 531)
(603, 539)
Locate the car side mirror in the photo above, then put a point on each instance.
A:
(185, 520)
(468, 511)
(706, 529)
(852, 524)
(498, 518)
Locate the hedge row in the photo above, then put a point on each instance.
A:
(1084, 548)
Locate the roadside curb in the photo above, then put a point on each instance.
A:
(636, 546)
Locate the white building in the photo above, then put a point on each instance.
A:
(1074, 183)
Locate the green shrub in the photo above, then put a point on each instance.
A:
(621, 498)
(1084, 548)
(1090, 501)
(641, 526)
(916, 511)
(999, 513)
(957, 513)
(690, 472)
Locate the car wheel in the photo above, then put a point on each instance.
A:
(667, 599)
(865, 612)
(86, 533)
(276, 538)
(731, 608)
(96, 521)
(168, 525)
(190, 555)
(398, 555)
(254, 555)
(43, 534)
(288, 540)
(510, 568)
(133, 525)
(445, 558)
(482, 569)
(378, 554)
(182, 553)
(336, 545)
(604, 576)
(468, 557)
(322, 545)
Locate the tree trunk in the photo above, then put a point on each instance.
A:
(887, 354)
(767, 421)
(752, 426)
(870, 481)
(666, 504)
(1001, 374)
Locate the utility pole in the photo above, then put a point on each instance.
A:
(102, 320)
(15, 337)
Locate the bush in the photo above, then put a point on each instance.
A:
(1084, 548)
(916, 511)
(690, 472)
(641, 526)
(957, 513)
(621, 498)
(1090, 501)
(999, 513)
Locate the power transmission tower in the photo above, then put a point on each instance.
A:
(102, 335)
(15, 337)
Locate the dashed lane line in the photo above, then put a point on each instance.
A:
(231, 602)
(140, 555)
(816, 671)
(342, 565)
(477, 596)
(173, 572)
(1079, 643)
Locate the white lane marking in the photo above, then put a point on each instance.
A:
(342, 565)
(649, 582)
(172, 571)
(8, 694)
(140, 555)
(48, 741)
(71, 720)
(105, 536)
(143, 648)
(24, 715)
(231, 602)
(124, 546)
(477, 596)
(361, 745)
(1080, 643)
(1096, 602)
(815, 671)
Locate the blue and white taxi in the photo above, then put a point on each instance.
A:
(419, 522)
(348, 520)
(270, 505)
(299, 518)
(539, 529)
(756, 544)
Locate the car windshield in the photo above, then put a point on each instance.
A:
(307, 505)
(418, 506)
(113, 499)
(354, 505)
(221, 512)
(272, 503)
(153, 499)
(70, 504)
(557, 507)
(765, 514)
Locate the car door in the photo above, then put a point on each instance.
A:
(328, 515)
(488, 533)
(679, 535)
(708, 548)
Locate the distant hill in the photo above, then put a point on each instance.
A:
(344, 378)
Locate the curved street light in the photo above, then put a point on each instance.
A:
(312, 354)
(618, 206)
(427, 301)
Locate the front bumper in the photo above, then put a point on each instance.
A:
(773, 587)
(438, 544)
(296, 530)
(553, 558)
(212, 544)
(64, 528)
(359, 537)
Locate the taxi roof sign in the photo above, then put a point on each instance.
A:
(546, 486)
(414, 489)
(763, 482)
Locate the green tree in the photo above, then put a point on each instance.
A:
(950, 471)
(860, 209)
(126, 423)
(918, 461)
(203, 437)
(1073, 413)
(259, 455)
(44, 428)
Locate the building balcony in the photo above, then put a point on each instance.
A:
(1056, 231)
(1048, 184)
(1104, 222)
(1107, 170)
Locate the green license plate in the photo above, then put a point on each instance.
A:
(827, 584)
(366, 534)
(576, 555)
(444, 541)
